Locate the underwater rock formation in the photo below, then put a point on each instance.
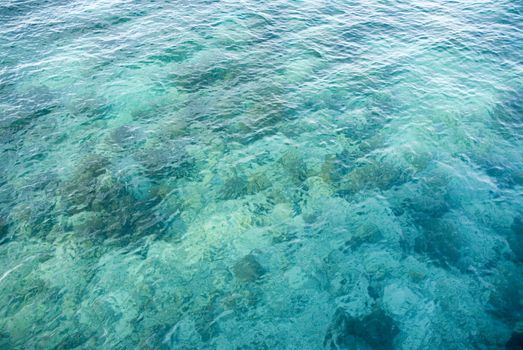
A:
(373, 175)
(515, 342)
(260, 175)
(257, 182)
(3, 229)
(171, 159)
(374, 331)
(125, 136)
(81, 191)
(515, 240)
(233, 188)
(294, 166)
(441, 242)
(248, 269)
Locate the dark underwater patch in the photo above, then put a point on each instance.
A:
(507, 117)
(233, 188)
(375, 331)
(515, 342)
(170, 159)
(441, 242)
(179, 52)
(248, 269)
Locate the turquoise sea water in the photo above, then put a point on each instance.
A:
(261, 174)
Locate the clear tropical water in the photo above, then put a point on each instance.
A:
(261, 175)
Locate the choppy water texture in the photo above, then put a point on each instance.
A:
(261, 175)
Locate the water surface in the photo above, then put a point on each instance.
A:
(261, 174)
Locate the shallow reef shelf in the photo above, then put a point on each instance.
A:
(340, 174)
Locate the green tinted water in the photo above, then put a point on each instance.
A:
(261, 175)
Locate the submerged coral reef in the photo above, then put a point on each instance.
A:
(269, 175)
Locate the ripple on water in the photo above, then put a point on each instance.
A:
(283, 175)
